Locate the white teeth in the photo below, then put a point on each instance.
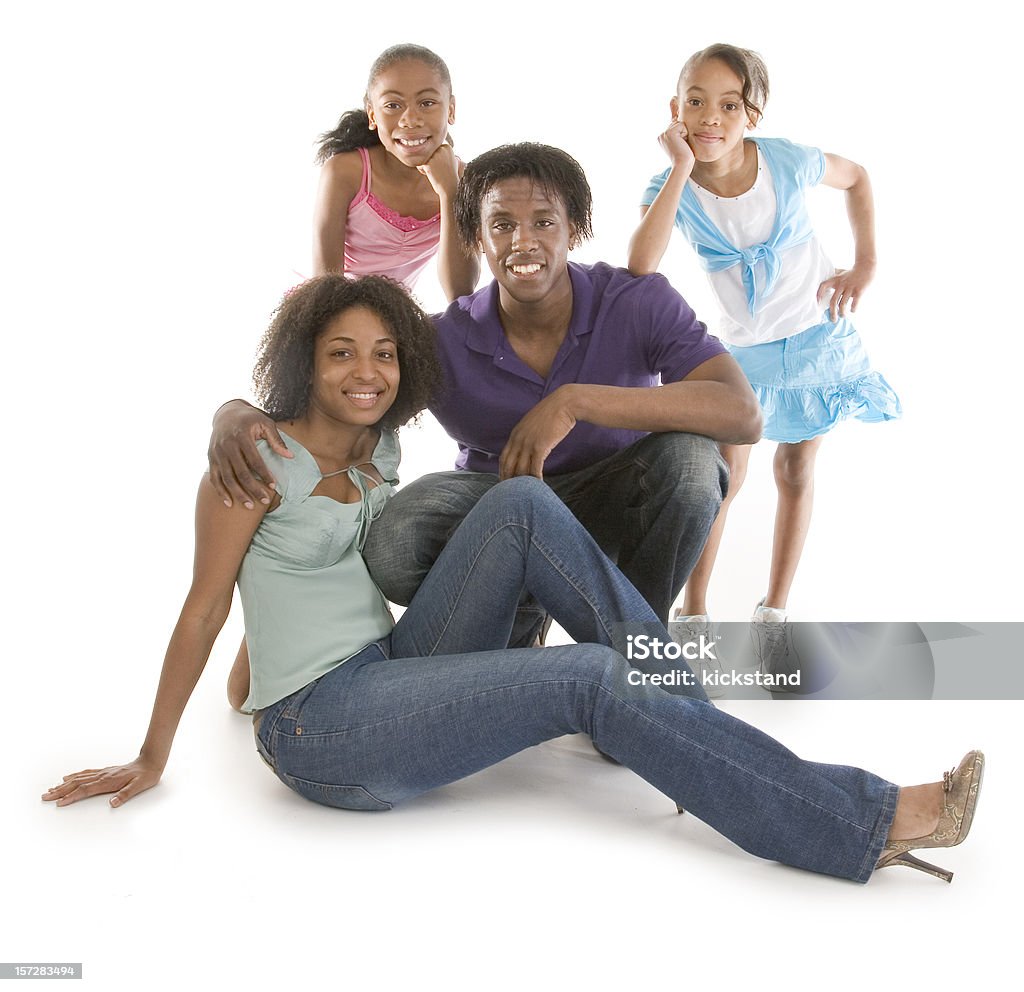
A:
(412, 142)
(525, 270)
(363, 396)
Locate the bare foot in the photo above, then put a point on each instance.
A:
(917, 811)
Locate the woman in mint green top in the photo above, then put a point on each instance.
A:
(357, 714)
(308, 598)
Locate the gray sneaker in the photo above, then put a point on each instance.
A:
(696, 630)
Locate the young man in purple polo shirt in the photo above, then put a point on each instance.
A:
(603, 384)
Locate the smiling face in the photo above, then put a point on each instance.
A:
(710, 104)
(411, 107)
(355, 370)
(526, 236)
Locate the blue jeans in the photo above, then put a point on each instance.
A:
(434, 701)
(650, 508)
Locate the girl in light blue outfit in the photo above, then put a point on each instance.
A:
(355, 711)
(740, 201)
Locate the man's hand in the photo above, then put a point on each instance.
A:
(236, 470)
(535, 436)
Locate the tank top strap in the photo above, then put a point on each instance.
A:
(364, 185)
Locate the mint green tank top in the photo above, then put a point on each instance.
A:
(308, 598)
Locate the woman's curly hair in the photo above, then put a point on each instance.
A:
(283, 376)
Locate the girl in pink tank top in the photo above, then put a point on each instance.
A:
(384, 206)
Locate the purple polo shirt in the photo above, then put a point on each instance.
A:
(624, 331)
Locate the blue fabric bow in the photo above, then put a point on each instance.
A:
(792, 227)
(727, 256)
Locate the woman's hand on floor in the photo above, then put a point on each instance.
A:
(126, 781)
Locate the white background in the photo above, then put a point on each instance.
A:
(156, 202)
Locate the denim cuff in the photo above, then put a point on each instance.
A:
(879, 833)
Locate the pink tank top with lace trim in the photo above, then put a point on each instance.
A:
(381, 242)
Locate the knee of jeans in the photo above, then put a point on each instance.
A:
(400, 548)
(689, 462)
(601, 663)
(523, 493)
(393, 568)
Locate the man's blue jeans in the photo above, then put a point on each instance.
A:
(433, 702)
(650, 508)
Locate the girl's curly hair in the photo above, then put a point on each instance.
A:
(283, 375)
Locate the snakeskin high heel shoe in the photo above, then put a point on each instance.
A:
(960, 789)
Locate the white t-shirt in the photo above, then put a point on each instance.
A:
(792, 306)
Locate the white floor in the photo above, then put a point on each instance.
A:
(157, 195)
(553, 869)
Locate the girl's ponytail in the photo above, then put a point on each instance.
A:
(353, 131)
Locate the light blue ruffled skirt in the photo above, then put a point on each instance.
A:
(807, 383)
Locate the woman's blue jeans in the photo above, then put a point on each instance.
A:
(441, 698)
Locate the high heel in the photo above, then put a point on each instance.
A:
(960, 798)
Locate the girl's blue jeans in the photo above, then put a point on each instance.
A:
(441, 698)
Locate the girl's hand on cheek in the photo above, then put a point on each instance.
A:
(442, 170)
(673, 141)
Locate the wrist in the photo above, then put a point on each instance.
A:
(231, 404)
(680, 171)
(155, 760)
(445, 187)
(574, 397)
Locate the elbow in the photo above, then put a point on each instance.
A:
(206, 615)
(861, 182)
(751, 418)
(457, 288)
(214, 621)
(638, 263)
(752, 425)
(206, 625)
(459, 279)
(640, 266)
(747, 420)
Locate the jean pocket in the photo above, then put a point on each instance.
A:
(338, 796)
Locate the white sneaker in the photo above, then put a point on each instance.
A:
(768, 614)
(773, 643)
(698, 628)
